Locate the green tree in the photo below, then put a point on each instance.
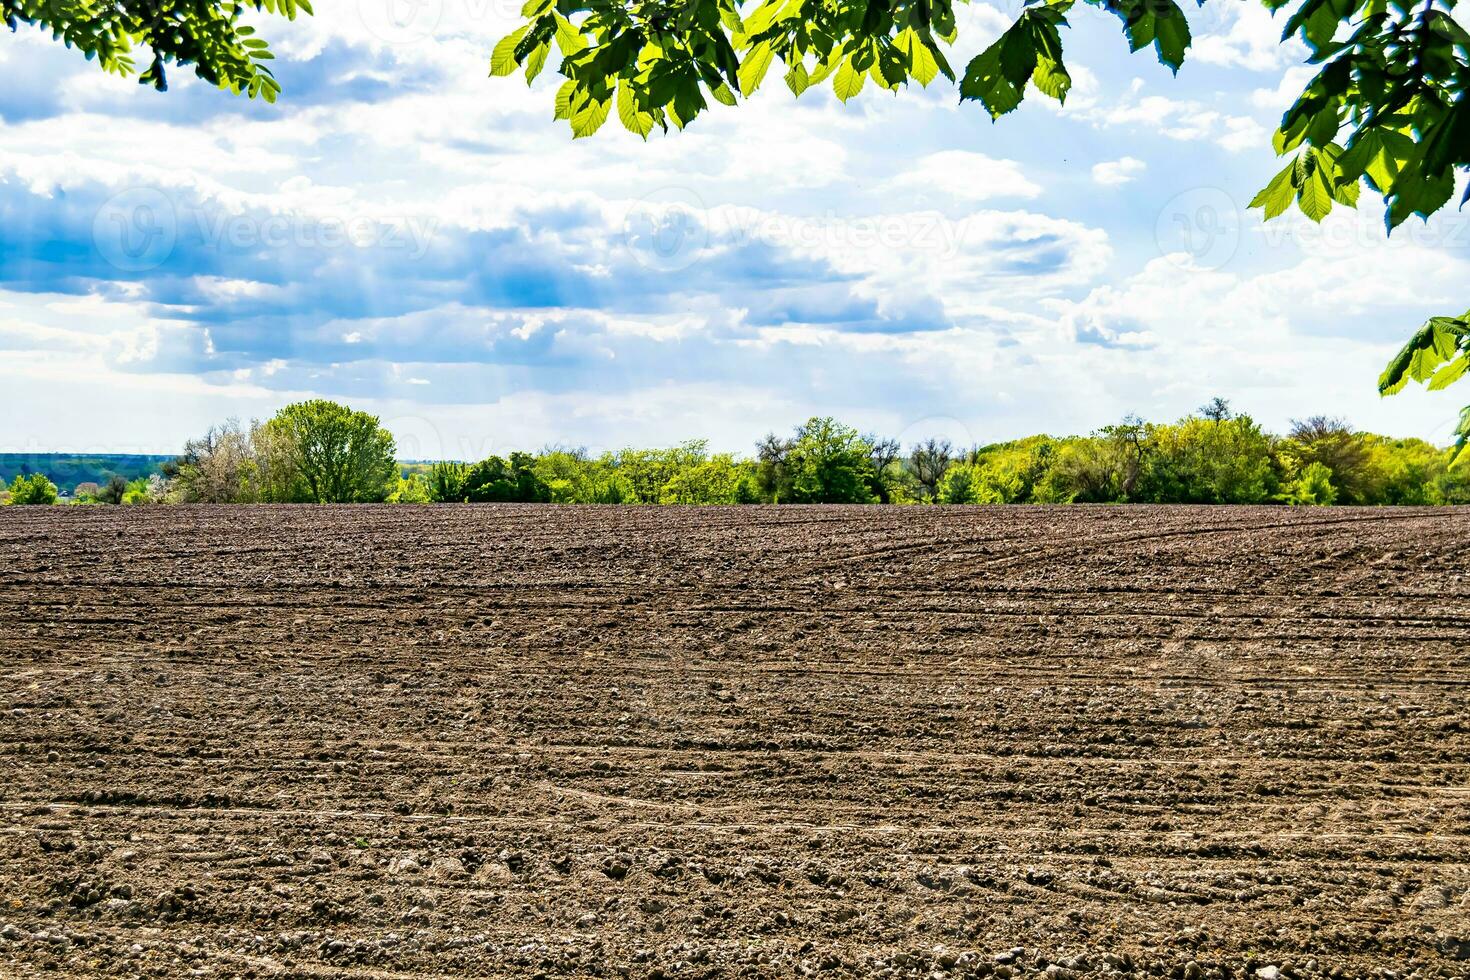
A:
(114, 490)
(957, 485)
(773, 474)
(1408, 471)
(1211, 460)
(1312, 487)
(648, 471)
(411, 489)
(927, 462)
(717, 480)
(340, 456)
(493, 480)
(206, 34)
(829, 463)
(33, 489)
(446, 482)
(1334, 444)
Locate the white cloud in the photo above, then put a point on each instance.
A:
(1250, 39)
(1116, 173)
(966, 176)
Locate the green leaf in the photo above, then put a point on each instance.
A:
(1432, 345)
(1052, 79)
(564, 100)
(848, 81)
(1277, 196)
(503, 58)
(1172, 39)
(536, 61)
(568, 38)
(922, 65)
(1450, 373)
(588, 115)
(633, 119)
(1314, 197)
(1462, 434)
(797, 79)
(986, 80)
(753, 69)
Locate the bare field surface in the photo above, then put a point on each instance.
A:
(657, 742)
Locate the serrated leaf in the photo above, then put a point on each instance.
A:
(588, 115)
(1277, 195)
(753, 68)
(503, 57)
(797, 79)
(1052, 79)
(568, 38)
(922, 65)
(1171, 36)
(848, 81)
(986, 80)
(564, 100)
(633, 119)
(1450, 373)
(536, 61)
(1432, 345)
(1314, 197)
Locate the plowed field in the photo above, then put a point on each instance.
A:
(559, 741)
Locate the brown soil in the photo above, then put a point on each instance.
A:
(929, 742)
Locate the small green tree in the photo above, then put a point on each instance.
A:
(33, 489)
(957, 485)
(1312, 487)
(717, 480)
(411, 489)
(829, 463)
(114, 490)
(340, 456)
(493, 480)
(446, 482)
(927, 462)
(1345, 452)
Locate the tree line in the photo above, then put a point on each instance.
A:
(322, 452)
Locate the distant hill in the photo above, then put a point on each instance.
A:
(66, 470)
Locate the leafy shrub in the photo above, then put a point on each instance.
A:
(1312, 487)
(33, 489)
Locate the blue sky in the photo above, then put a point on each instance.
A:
(403, 233)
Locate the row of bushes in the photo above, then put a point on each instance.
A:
(323, 452)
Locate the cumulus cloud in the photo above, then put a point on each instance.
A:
(1116, 173)
(966, 176)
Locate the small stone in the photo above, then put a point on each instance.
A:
(12, 933)
(1192, 971)
(1269, 973)
(53, 756)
